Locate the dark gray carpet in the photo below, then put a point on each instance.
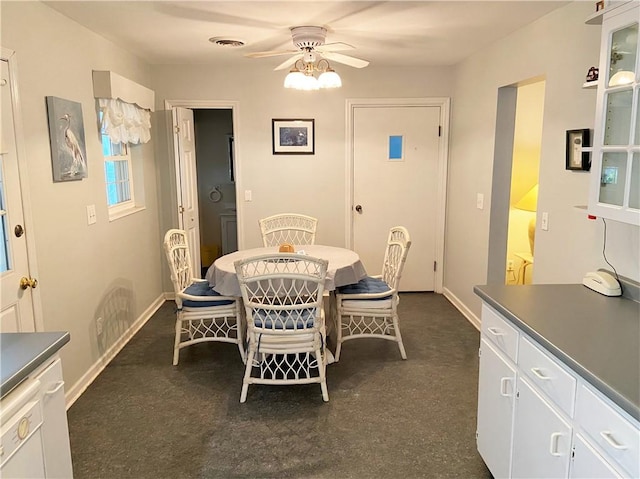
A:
(386, 418)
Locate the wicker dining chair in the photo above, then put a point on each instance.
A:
(282, 295)
(290, 228)
(202, 314)
(369, 308)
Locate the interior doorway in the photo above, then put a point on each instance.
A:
(216, 183)
(516, 155)
(523, 198)
(206, 177)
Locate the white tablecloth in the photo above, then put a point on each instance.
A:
(344, 267)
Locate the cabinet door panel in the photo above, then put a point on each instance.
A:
(496, 389)
(55, 431)
(541, 439)
(588, 464)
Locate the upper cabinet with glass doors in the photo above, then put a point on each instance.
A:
(615, 171)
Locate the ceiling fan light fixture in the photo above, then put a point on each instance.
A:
(310, 83)
(329, 79)
(294, 79)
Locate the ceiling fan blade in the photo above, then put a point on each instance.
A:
(346, 59)
(272, 53)
(334, 47)
(289, 62)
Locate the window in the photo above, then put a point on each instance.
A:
(118, 173)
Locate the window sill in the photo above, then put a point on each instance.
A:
(116, 215)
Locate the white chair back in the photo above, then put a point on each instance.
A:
(395, 256)
(288, 228)
(179, 259)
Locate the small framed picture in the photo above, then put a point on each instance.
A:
(577, 159)
(599, 5)
(293, 137)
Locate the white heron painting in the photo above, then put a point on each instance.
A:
(66, 131)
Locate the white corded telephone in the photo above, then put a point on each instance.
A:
(602, 282)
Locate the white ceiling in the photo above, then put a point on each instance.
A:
(387, 33)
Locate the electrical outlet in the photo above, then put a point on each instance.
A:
(510, 265)
(99, 326)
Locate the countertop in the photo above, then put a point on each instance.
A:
(596, 336)
(22, 353)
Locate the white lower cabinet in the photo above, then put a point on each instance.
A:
(55, 430)
(588, 464)
(541, 437)
(495, 409)
(33, 419)
(553, 424)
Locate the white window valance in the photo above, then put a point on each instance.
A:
(125, 122)
(125, 107)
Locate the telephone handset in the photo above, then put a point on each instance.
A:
(602, 282)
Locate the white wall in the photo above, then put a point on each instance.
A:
(310, 184)
(110, 269)
(561, 48)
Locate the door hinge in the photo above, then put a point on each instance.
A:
(180, 209)
(477, 435)
(435, 266)
(439, 131)
(176, 128)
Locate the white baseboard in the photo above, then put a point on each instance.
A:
(75, 391)
(460, 306)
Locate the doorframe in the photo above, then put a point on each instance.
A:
(36, 299)
(444, 103)
(234, 106)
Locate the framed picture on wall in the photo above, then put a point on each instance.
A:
(293, 137)
(576, 158)
(66, 135)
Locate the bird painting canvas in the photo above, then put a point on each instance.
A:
(66, 132)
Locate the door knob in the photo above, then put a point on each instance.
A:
(359, 208)
(28, 283)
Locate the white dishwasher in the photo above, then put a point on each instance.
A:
(21, 450)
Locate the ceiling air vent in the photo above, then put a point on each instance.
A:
(226, 42)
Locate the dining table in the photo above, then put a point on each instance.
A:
(344, 267)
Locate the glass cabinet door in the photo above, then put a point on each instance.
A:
(615, 189)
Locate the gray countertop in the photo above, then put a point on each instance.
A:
(22, 353)
(595, 335)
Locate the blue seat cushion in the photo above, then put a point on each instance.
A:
(204, 290)
(367, 285)
(298, 319)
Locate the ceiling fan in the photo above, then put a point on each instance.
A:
(310, 43)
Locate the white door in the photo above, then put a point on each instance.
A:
(395, 183)
(187, 182)
(496, 396)
(16, 306)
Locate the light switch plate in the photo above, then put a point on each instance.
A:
(545, 221)
(480, 201)
(247, 195)
(91, 214)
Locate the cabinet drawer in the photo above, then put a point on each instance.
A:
(500, 332)
(614, 434)
(51, 378)
(546, 373)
